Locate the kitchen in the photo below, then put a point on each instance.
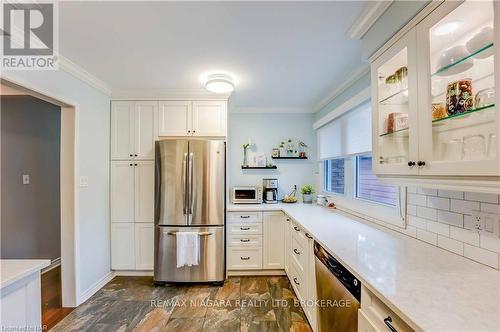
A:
(360, 194)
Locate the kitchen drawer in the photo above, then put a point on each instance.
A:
(255, 216)
(298, 254)
(298, 234)
(244, 240)
(364, 323)
(247, 228)
(297, 281)
(245, 258)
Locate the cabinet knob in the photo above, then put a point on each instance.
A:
(189, 131)
(421, 163)
(411, 163)
(131, 164)
(194, 131)
(131, 155)
(135, 155)
(135, 164)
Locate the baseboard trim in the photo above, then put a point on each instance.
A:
(237, 273)
(133, 273)
(95, 287)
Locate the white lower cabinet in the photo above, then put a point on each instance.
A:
(122, 246)
(244, 240)
(245, 258)
(274, 240)
(144, 246)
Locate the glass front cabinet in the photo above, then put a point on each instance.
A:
(434, 93)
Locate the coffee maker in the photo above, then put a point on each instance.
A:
(270, 191)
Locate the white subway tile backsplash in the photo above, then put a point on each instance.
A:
(489, 242)
(451, 194)
(490, 208)
(482, 197)
(484, 256)
(451, 245)
(438, 228)
(409, 230)
(417, 199)
(427, 191)
(426, 236)
(411, 209)
(438, 202)
(451, 218)
(417, 222)
(465, 207)
(465, 235)
(468, 222)
(427, 213)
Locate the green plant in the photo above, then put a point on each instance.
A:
(307, 189)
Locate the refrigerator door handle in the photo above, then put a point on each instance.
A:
(190, 181)
(184, 184)
(200, 233)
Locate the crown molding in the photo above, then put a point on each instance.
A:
(78, 72)
(168, 94)
(370, 14)
(351, 79)
(270, 110)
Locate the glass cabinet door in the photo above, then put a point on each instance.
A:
(458, 121)
(394, 108)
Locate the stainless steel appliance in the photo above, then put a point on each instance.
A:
(246, 195)
(270, 194)
(336, 284)
(189, 196)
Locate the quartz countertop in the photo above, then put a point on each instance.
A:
(430, 288)
(13, 270)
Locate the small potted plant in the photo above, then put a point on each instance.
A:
(307, 192)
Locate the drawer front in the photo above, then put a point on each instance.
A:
(297, 281)
(250, 228)
(244, 240)
(298, 234)
(244, 216)
(245, 258)
(298, 254)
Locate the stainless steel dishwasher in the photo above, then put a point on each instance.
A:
(339, 294)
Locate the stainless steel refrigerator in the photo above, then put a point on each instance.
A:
(190, 196)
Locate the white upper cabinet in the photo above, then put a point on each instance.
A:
(122, 191)
(144, 246)
(133, 129)
(175, 118)
(192, 118)
(434, 98)
(144, 191)
(274, 240)
(209, 118)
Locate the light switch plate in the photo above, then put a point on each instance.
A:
(26, 179)
(84, 181)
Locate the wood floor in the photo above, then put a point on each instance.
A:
(52, 310)
(241, 304)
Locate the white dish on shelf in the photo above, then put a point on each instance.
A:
(481, 39)
(451, 56)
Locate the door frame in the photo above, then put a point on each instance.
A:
(68, 187)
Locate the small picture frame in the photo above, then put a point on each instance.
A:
(260, 160)
(276, 153)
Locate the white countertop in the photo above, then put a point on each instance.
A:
(432, 289)
(13, 270)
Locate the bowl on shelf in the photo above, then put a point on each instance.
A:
(481, 39)
(484, 98)
(451, 56)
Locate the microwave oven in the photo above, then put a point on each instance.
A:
(246, 195)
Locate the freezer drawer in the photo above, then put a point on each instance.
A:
(212, 254)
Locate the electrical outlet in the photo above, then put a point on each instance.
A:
(478, 222)
(26, 179)
(488, 223)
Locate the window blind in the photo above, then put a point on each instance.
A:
(349, 134)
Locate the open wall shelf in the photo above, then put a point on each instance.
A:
(289, 157)
(265, 167)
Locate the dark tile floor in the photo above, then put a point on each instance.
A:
(241, 304)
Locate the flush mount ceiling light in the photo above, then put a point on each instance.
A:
(219, 83)
(446, 28)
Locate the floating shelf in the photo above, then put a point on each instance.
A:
(400, 132)
(289, 157)
(459, 61)
(464, 114)
(265, 167)
(396, 98)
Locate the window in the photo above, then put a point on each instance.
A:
(334, 176)
(369, 187)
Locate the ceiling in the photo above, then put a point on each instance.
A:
(287, 55)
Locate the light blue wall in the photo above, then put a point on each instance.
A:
(267, 130)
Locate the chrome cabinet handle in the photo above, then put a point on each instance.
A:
(308, 236)
(296, 282)
(244, 217)
(296, 251)
(244, 240)
(388, 322)
(296, 228)
(244, 228)
(244, 258)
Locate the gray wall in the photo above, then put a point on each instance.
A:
(30, 224)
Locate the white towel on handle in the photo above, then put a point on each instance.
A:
(188, 249)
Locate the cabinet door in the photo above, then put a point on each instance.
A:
(122, 191)
(286, 231)
(394, 108)
(144, 246)
(458, 120)
(274, 240)
(122, 132)
(209, 118)
(144, 191)
(145, 128)
(174, 118)
(122, 246)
